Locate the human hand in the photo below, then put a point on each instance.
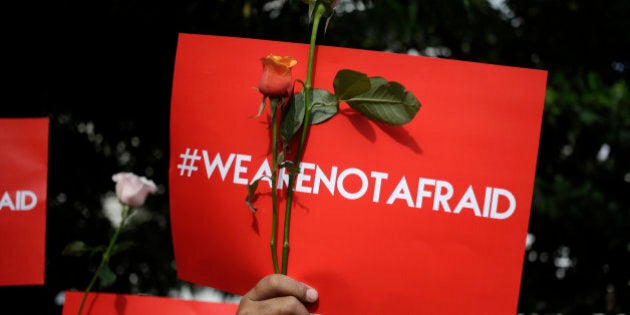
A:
(277, 294)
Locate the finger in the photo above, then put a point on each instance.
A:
(277, 285)
(286, 305)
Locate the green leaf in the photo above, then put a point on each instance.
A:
(251, 194)
(121, 247)
(311, 8)
(97, 250)
(262, 106)
(106, 276)
(327, 23)
(325, 105)
(290, 167)
(312, 4)
(589, 117)
(292, 118)
(76, 249)
(350, 83)
(387, 102)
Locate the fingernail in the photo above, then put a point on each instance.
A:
(311, 295)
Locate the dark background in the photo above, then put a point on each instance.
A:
(102, 70)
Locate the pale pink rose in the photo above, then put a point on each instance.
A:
(132, 189)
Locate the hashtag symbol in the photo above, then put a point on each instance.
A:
(188, 162)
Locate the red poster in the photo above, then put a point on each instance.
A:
(109, 303)
(426, 218)
(23, 182)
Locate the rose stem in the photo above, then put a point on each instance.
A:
(274, 194)
(106, 255)
(319, 12)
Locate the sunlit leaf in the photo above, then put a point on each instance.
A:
(387, 102)
(325, 105)
(350, 83)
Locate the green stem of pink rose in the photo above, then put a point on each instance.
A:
(105, 258)
(319, 12)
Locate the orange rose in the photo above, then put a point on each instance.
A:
(276, 79)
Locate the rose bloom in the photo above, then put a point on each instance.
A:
(132, 189)
(276, 79)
